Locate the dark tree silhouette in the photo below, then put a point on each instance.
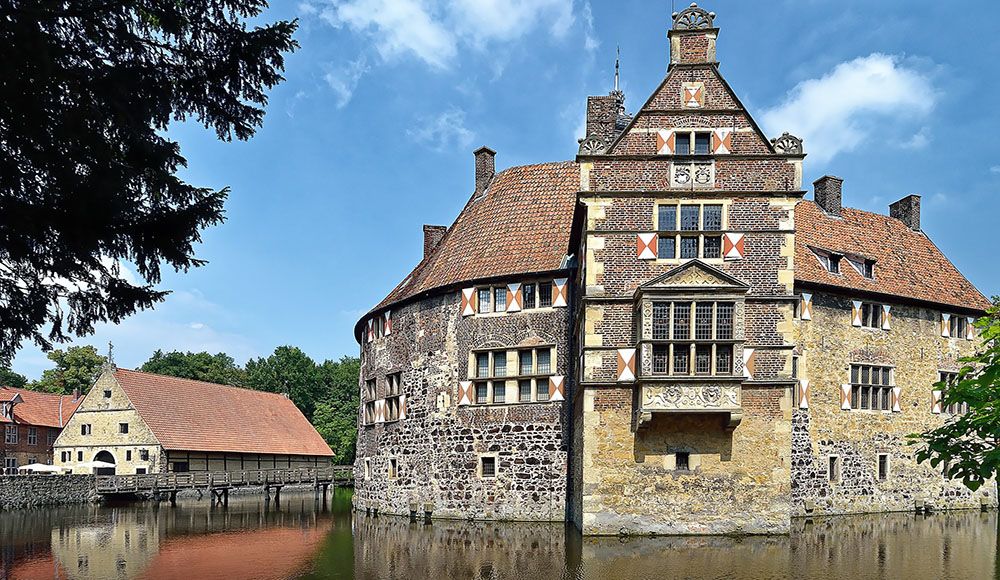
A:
(87, 176)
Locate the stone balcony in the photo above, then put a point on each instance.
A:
(717, 396)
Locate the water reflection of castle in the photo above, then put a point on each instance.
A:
(189, 542)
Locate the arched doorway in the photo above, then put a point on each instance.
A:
(104, 457)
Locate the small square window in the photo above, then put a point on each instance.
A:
(713, 247)
(683, 462)
(528, 294)
(682, 143)
(689, 247)
(713, 218)
(107, 393)
(833, 471)
(541, 391)
(666, 247)
(484, 300)
(499, 392)
(690, 217)
(500, 299)
(488, 467)
(702, 143)
(144, 454)
(85, 429)
(544, 294)
(524, 391)
(482, 389)
(667, 218)
(123, 428)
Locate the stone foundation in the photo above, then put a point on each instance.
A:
(25, 491)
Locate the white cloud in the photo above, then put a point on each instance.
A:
(397, 27)
(345, 81)
(443, 131)
(434, 30)
(919, 140)
(995, 169)
(590, 42)
(836, 112)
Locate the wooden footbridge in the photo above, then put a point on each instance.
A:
(219, 483)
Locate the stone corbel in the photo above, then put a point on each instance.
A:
(641, 419)
(735, 417)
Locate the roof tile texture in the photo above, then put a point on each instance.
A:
(42, 409)
(907, 263)
(197, 416)
(520, 225)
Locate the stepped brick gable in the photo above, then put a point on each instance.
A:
(662, 336)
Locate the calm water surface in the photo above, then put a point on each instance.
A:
(303, 539)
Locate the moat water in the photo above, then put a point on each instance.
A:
(303, 538)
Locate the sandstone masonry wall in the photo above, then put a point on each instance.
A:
(24, 491)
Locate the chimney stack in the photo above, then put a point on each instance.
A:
(907, 210)
(485, 167)
(76, 394)
(432, 237)
(828, 193)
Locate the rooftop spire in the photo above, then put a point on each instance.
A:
(618, 57)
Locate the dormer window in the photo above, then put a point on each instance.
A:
(829, 260)
(864, 266)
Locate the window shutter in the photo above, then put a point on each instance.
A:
(803, 393)
(945, 325)
(936, 402)
(732, 246)
(856, 313)
(845, 397)
(646, 246)
(515, 298)
(886, 317)
(970, 330)
(402, 407)
(722, 141)
(388, 322)
(626, 365)
(371, 329)
(468, 301)
(380, 411)
(556, 389)
(464, 393)
(560, 297)
(807, 307)
(748, 363)
(665, 142)
(896, 405)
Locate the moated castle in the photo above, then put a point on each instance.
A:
(664, 335)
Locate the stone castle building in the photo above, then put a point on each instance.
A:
(664, 335)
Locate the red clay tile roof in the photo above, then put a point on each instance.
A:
(497, 234)
(907, 263)
(197, 416)
(42, 409)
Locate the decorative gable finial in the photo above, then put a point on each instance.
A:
(693, 18)
(109, 362)
(787, 144)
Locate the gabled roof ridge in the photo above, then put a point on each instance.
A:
(211, 384)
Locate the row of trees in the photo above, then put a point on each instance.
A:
(326, 393)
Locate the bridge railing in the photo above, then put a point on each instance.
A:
(206, 479)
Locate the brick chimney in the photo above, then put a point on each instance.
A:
(692, 37)
(907, 210)
(432, 237)
(602, 112)
(828, 193)
(485, 167)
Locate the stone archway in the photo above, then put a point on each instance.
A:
(106, 457)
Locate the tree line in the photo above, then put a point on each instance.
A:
(326, 392)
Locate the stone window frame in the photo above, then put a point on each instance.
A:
(958, 326)
(367, 465)
(481, 463)
(947, 376)
(647, 344)
(392, 468)
(394, 391)
(677, 232)
(539, 380)
(885, 390)
(872, 316)
(123, 428)
(834, 468)
(880, 473)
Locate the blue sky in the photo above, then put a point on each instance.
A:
(372, 135)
